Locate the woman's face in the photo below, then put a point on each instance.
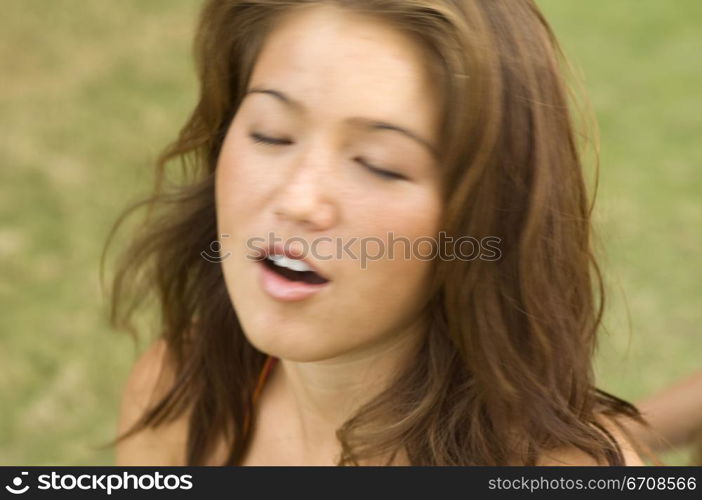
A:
(324, 77)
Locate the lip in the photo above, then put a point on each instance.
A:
(284, 290)
(280, 288)
(278, 249)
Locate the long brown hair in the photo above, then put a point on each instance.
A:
(505, 370)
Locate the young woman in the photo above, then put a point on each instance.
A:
(321, 127)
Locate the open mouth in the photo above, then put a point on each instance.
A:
(293, 270)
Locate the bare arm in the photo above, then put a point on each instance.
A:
(149, 379)
(577, 457)
(675, 414)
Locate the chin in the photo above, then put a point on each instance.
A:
(302, 345)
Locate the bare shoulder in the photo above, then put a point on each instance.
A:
(150, 378)
(577, 457)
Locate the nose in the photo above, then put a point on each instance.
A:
(304, 198)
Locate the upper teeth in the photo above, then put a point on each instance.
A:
(294, 264)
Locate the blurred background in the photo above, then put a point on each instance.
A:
(90, 91)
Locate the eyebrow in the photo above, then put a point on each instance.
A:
(367, 123)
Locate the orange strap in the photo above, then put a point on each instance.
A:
(267, 365)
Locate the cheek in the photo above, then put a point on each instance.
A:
(241, 186)
(397, 242)
(236, 182)
(412, 214)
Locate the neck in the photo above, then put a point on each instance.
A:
(311, 400)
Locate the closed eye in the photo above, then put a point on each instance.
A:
(381, 172)
(272, 141)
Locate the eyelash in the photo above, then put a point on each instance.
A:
(258, 138)
(386, 174)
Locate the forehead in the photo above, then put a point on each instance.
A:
(337, 61)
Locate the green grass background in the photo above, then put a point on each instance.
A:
(91, 90)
